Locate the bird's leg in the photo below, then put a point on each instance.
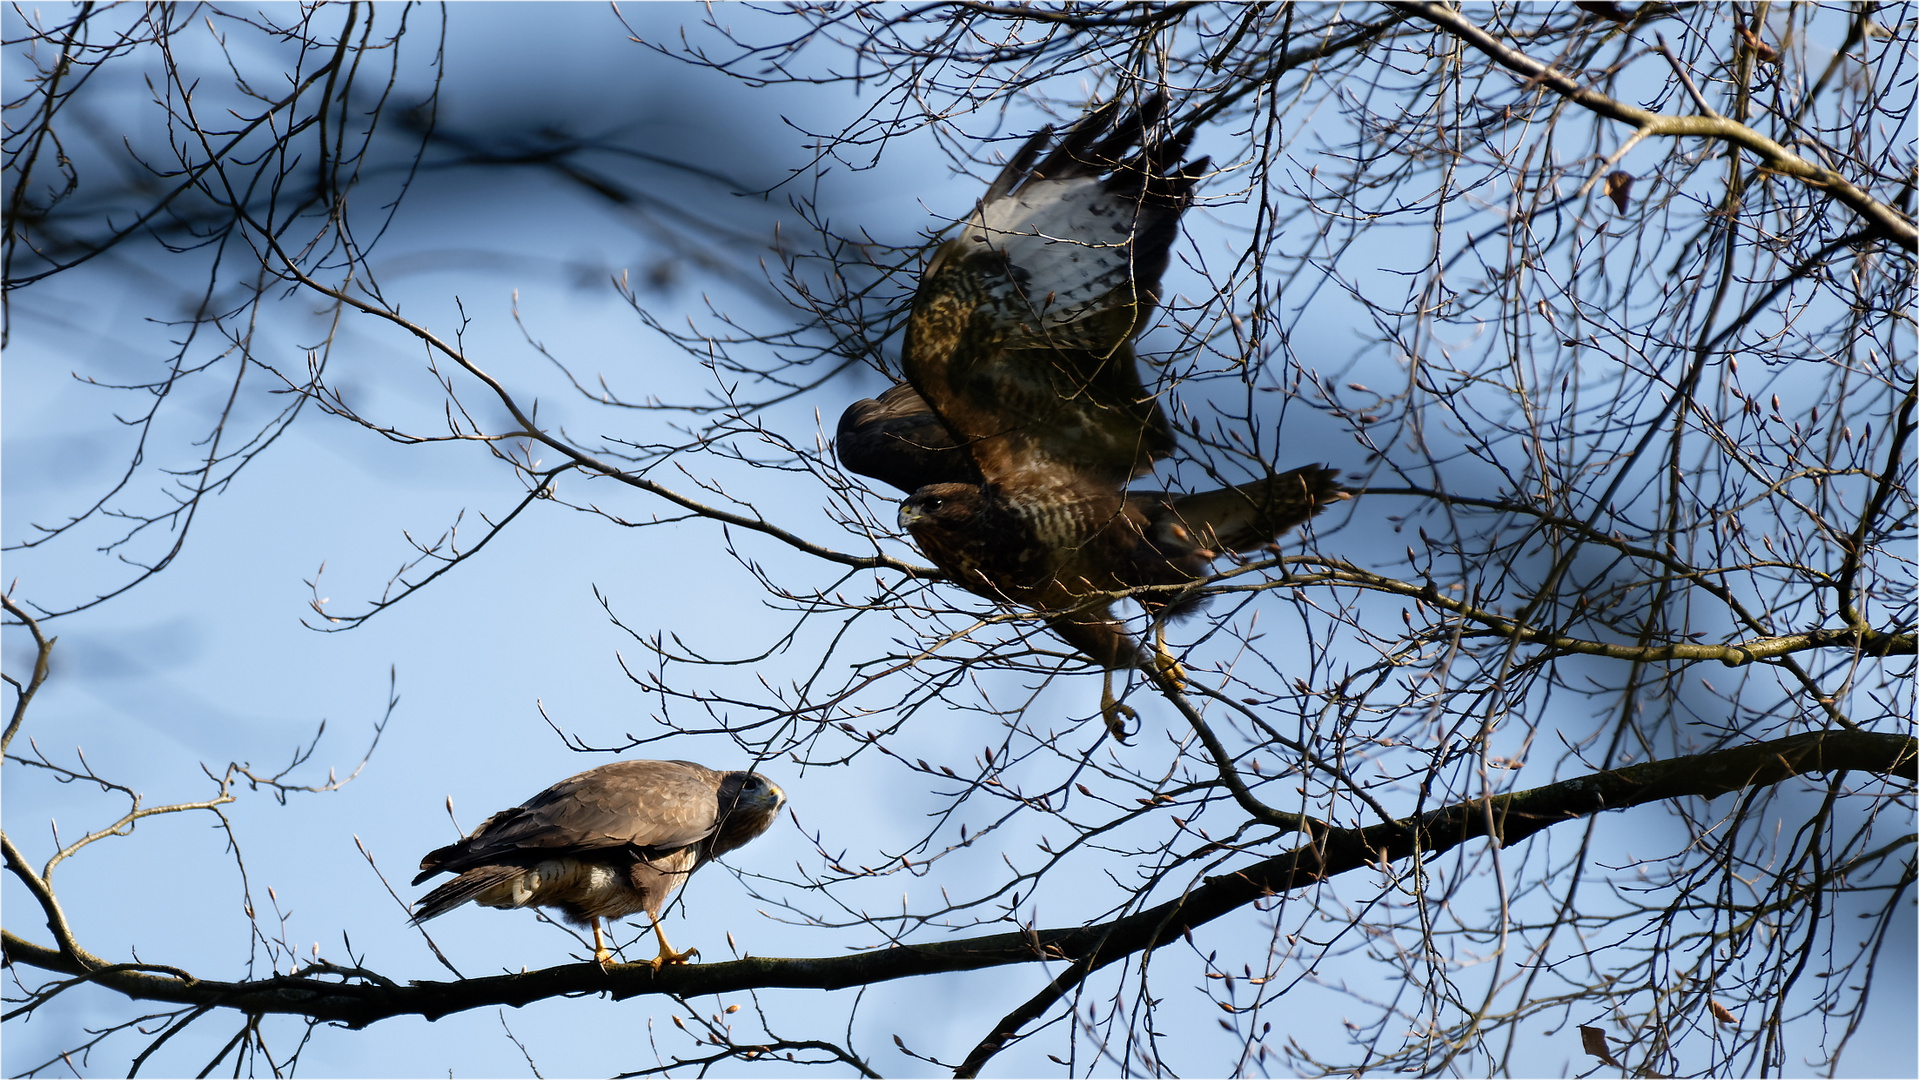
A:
(601, 954)
(667, 955)
(1112, 709)
(1164, 662)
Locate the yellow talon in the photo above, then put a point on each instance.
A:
(1167, 666)
(601, 954)
(1170, 669)
(667, 953)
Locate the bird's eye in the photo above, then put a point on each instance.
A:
(933, 502)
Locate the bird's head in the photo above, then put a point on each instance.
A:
(942, 506)
(751, 791)
(749, 804)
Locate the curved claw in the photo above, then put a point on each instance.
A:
(668, 955)
(1112, 710)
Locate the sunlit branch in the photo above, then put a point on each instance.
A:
(358, 1002)
(1893, 224)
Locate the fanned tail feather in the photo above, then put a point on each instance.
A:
(460, 890)
(1245, 517)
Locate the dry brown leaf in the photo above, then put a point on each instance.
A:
(1594, 1040)
(1766, 53)
(1721, 1014)
(1619, 189)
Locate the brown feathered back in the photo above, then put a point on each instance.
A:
(605, 843)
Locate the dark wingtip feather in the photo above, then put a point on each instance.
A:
(434, 861)
(1017, 169)
(897, 438)
(1077, 154)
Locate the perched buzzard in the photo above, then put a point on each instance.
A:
(605, 844)
(1023, 416)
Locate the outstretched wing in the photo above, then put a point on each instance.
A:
(1020, 334)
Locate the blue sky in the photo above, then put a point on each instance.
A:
(209, 662)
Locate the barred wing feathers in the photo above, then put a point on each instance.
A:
(1020, 334)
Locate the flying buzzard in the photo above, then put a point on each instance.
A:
(1023, 416)
(605, 844)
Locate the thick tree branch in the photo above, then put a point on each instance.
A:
(72, 959)
(357, 998)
